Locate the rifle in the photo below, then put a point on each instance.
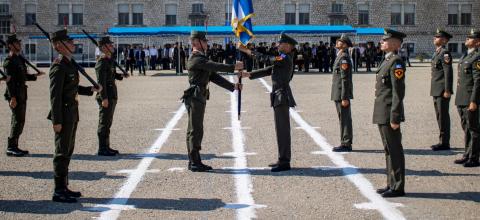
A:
(22, 57)
(79, 68)
(125, 74)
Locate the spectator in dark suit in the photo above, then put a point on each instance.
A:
(140, 57)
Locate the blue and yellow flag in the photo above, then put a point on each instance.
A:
(242, 11)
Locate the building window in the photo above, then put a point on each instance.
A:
(304, 14)
(197, 8)
(409, 14)
(290, 12)
(171, 14)
(4, 26)
(337, 21)
(396, 16)
(337, 8)
(466, 15)
(30, 14)
(63, 14)
(77, 14)
(228, 14)
(453, 47)
(453, 14)
(78, 49)
(137, 16)
(4, 9)
(198, 22)
(459, 14)
(363, 14)
(123, 14)
(30, 49)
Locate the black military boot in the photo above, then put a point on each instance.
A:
(103, 151)
(112, 150)
(71, 193)
(342, 148)
(196, 164)
(281, 167)
(60, 194)
(13, 150)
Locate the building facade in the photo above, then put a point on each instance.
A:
(419, 19)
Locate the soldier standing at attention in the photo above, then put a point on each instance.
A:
(468, 98)
(388, 111)
(442, 87)
(64, 91)
(107, 98)
(16, 93)
(281, 96)
(342, 92)
(200, 72)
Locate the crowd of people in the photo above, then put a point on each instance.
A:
(306, 56)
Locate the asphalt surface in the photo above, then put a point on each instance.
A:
(149, 179)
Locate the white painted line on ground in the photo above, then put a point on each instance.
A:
(131, 171)
(243, 182)
(387, 209)
(121, 198)
(325, 152)
(162, 129)
(233, 154)
(302, 128)
(177, 169)
(326, 168)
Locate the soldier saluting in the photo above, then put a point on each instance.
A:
(200, 72)
(468, 98)
(342, 92)
(442, 87)
(16, 93)
(281, 96)
(388, 111)
(107, 98)
(64, 91)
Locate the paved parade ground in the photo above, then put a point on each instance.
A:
(149, 179)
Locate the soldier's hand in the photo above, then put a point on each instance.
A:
(41, 73)
(57, 128)
(472, 107)
(105, 103)
(244, 74)
(239, 66)
(345, 103)
(13, 102)
(238, 86)
(394, 126)
(447, 95)
(97, 90)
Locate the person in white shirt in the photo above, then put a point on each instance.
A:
(153, 57)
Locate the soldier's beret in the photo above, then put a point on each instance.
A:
(201, 35)
(444, 34)
(105, 40)
(12, 39)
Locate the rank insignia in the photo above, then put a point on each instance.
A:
(399, 73)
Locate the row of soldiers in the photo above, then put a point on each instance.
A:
(388, 112)
(64, 91)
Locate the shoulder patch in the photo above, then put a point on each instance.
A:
(477, 65)
(398, 66)
(280, 57)
(344, 65)
(447, 58)
(399, 72)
